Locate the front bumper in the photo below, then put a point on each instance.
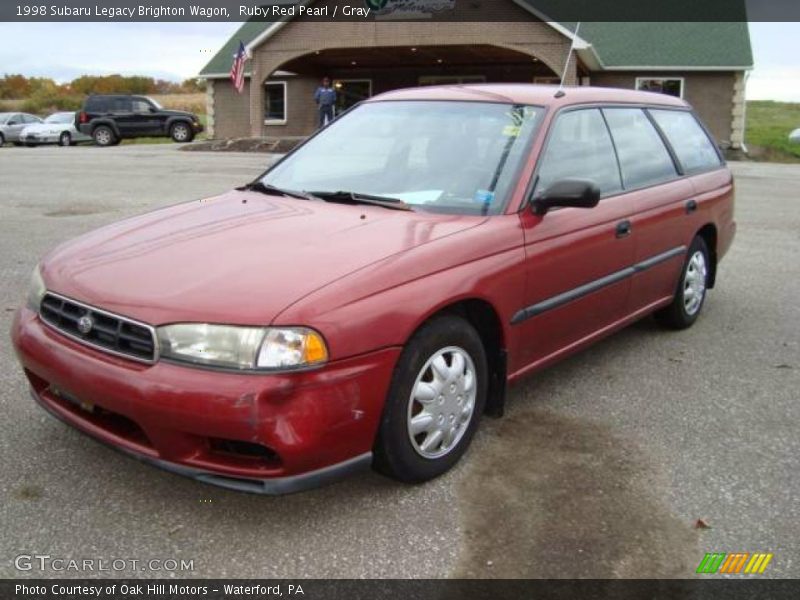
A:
(310, 427)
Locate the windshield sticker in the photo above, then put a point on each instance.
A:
(511, 130)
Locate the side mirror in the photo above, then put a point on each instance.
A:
(11, 123)
(578, 193)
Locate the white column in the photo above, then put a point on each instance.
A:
(210, 108)
(738, 115)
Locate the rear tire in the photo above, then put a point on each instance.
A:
(65, 139)
(103, 136)
(435, 400)
(691, 292)
(181, 132)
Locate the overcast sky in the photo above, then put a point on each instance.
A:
(179, 50)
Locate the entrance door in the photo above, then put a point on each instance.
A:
(350, 92)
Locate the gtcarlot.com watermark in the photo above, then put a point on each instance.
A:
(46, 562)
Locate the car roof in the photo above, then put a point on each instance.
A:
(539, 95)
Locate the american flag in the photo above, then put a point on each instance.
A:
(237, 70)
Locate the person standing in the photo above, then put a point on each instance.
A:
(325, 97)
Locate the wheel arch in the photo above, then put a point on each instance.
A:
(108, 123)
(485, 318)
(709, 234)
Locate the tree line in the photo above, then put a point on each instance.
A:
(43, 93)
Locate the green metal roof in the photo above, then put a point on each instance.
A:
(618, 45)
(671, 45)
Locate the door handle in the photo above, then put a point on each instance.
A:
(691, 206)
(623, 229)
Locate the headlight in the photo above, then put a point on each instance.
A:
(36, 290)
(242, 347)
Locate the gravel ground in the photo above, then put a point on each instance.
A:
(599, 469)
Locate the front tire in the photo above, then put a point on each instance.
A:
(181, 132)
(437, 395)
(2, 139)
(65, 139)
(692, 288)
(103, 136)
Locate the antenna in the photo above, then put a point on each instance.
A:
(561, 93)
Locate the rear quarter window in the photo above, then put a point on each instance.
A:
(695, 150)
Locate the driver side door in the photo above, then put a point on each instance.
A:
(577, 259)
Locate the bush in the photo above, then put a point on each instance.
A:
(44, 102)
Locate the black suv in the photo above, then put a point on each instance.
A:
(109, 119)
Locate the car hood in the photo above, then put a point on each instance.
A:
(238, 258)
(177, 113)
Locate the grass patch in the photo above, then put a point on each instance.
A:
(768, 127)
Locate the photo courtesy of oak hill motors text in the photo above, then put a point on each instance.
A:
(210, 12)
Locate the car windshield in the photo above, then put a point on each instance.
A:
(439, 156)
(5, 117)
(155, 103)
(60, 118)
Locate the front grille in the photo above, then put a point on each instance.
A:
(108, 332)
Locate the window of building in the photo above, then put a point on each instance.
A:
(672, 86)
(350, 92)
(580, 147)
(275, 102)
(696, 152)
(643, 157)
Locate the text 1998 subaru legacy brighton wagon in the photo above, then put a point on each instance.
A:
(369, 297)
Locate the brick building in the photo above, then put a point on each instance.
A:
(705, 63)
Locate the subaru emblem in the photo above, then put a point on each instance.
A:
(85, 324)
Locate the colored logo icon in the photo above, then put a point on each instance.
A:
(376, 4)
(734, 563)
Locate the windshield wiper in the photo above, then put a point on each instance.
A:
(345, 197)
(266, 188)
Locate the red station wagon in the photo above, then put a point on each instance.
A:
(372, 294)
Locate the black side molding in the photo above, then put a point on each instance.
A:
(593, 286)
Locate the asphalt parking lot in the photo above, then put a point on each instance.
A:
(599, 469)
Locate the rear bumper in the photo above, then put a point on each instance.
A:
(313, 426)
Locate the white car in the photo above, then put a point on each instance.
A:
(794, 137)
(58, 128)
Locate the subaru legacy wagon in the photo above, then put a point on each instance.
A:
(370, 296)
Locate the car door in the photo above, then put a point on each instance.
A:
(121, 109)
(659, 198)
(147, 119)
(577, 259)
(14, 127)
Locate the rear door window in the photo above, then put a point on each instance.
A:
(580, 147)
(696, 152)
(643, 157)
(121, 104)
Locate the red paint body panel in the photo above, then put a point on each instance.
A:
(311, 419)
(364, 277)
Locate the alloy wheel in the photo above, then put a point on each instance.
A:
(180, 133)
